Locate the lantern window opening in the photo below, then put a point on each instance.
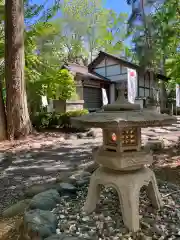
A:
(129, 137)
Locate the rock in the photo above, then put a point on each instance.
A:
(40, 223)
(63, 177)
(91, 133)
(80, 175)
(146, 237)
(66, 188)
(80, 135)
(85, 219)
(156, 229)
(72, 238)
(148, 220)
(81, 183)
(16, 209)
(46, 200)
(62, 237)
(173, 186)
(91, 166)
(145, 225)
(56, 237)
(38, 188)
(154, 145)
(80, 178)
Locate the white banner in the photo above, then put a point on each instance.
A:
(104, 97)
(177, 95)
(44, 101)
(132, 85)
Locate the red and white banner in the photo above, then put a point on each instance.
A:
(104, 97)
(132, 85)
(177, 95)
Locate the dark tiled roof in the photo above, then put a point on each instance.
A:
(76, 68)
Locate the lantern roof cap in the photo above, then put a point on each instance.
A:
(114, 119)
(122, 114)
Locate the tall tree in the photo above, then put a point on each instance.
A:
(141, 24)
(88, 27)
(18, 121)
(3, 135)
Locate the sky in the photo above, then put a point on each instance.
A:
(116, 5)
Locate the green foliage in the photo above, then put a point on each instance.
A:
(82, 29)
(88, 27)
(157, 37)
(61, 85)
(76, 35)
(141, 28)
(55, 84)
(43, 120)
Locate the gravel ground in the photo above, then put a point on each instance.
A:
(40, 158)
(106, 222)
(39, 161)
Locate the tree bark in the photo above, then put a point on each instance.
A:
(163, 92)
(3, 129)
(18, 121)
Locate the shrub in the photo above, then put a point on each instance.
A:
(45, 120)
(41, 120)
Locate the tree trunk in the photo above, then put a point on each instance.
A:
(163, 93)
(163, 96)
(3, 134)
(18, 121)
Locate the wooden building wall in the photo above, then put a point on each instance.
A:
(111, 69)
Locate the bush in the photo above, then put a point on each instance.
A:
(45, 120)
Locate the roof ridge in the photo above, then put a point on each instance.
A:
(77, 64)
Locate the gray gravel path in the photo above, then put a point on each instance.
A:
(18, 171)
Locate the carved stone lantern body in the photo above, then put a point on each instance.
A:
(121, 153)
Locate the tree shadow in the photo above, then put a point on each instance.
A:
(30, 164)
(167, 164)
(22, 169)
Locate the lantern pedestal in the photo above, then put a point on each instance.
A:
(124, 161)
(128, 187)
(122, 156)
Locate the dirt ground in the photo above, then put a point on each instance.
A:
(57, 149)
(10, 228)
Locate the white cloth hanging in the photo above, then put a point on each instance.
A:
(104, 97)
(132, 85)
(177, 95)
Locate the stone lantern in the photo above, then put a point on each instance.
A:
(123, 161)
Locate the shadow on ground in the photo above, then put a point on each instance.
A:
(34, 162)
(42, 165)
(167, 164)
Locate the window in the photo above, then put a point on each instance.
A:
(113, 70)
(147, 80)
(144, 84)
(141, 92)
(100, 71)
(147, 92)
(123, 70)
(141, 81)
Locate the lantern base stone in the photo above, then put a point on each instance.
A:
(128, 187)
(125, 161)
